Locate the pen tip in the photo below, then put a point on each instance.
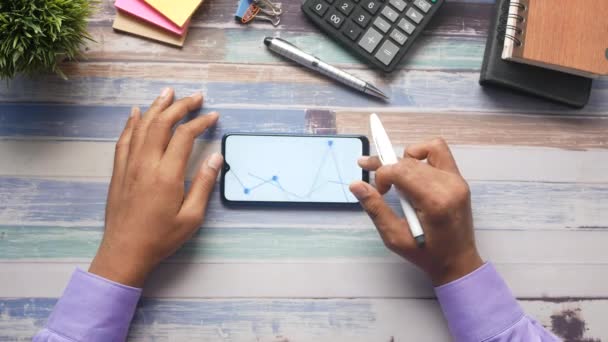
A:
(267, 41)
(372, 90)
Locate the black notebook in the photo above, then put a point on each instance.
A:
(553, 85)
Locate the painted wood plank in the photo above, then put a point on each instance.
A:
(456, 18)
(280, 320)
(413, 91)
(56, 159)
(107, 122)
(307, 280)
(90, 122)
(35, 202)
(217, 245)
(237, 45)
(93, 160)
(524, 130)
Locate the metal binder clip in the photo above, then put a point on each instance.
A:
(274, 20)
(275, 9)
(265, 10)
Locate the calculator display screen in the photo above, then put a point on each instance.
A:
(285, 168)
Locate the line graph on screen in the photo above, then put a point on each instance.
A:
(318, 183)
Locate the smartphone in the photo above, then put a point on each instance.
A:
(285, 169)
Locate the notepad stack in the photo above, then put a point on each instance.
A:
(550, 49)
(161, 20)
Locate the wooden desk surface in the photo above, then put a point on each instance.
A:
(538, 172)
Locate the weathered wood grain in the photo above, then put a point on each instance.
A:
(526, 130)
(307, 280)
(219, 45)
(219, 245)
(280, 320)
(530, 206)
(86, 122)
(455, 18)
(419, 91)
(92, 160)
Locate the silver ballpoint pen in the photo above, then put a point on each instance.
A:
(291, 52)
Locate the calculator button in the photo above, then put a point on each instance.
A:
(345, 7)
(389, 14)
(387, 52)
(414, 15)
(423, 5)
(382, 24)
(370, 40)
(319, 7)
(398, 4)
(398, 36)
(335, 19)
(406, 26)
(351, 30)
(371, 6)
(361, 17)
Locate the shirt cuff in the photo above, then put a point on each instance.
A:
(479, 305)
(94, 309)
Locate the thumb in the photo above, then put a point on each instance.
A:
(195, 204)
(392, 228)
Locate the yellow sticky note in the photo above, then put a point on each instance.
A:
(135, 26)
(178, 11)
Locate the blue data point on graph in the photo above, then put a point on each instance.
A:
(275, 178)
(330, 142)
(246, 191)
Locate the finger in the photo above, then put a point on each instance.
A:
(178, 152)
(161, 103)
(393, 229)
(369, 163)
(141, 130)
(410, 176)
(161, 126)
(121, 153)
(436, 152)
(194, 206)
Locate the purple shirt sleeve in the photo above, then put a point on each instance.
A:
(92, 309)
(480, 307)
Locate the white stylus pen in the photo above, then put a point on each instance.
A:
(387, 156)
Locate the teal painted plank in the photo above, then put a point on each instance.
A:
(430, 52)
(221, 245)
(207, 245)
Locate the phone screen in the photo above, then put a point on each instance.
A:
(288, 168)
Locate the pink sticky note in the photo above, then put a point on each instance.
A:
(140, 9)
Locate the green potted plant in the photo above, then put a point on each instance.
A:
(35, 35)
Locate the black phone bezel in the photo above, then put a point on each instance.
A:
(226, 168)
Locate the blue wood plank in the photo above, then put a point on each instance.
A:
(445, 91)
(27, 201)
(211, 318)
(107, 122)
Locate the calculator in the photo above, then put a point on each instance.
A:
(379, 31)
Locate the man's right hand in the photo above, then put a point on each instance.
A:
(442, 200)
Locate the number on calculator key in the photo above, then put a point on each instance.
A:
(335, 19)
(361, 17)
